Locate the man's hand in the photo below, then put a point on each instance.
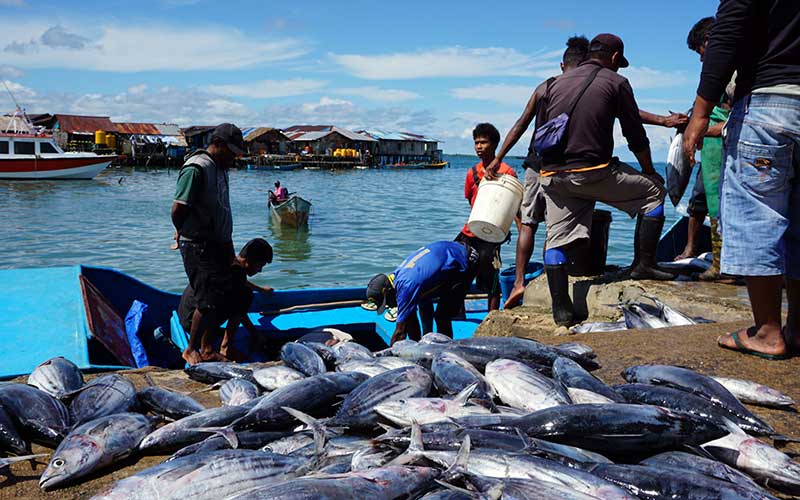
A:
(676, 120)
(693, 137)
(266, 290)
(490, 171)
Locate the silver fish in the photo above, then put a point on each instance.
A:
(168, 403)
(579, 349)
(751, 392)
(57, 376)
(762, 462)
(519, 386)
(105, 395)
(435, 338)
(347, 351)
(374, 366)
(452, 374)
(211, 372)
(430, 410)
(10, 438)
(670, 315)
(37, 415)
(601, 326)
(302, 358)
(274, 377)
(582, 396)
(384, 483)
(237, 391)
(93, 446)
(205, 476)
(185, 431)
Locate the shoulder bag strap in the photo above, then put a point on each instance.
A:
(475, 177)
(586, 84)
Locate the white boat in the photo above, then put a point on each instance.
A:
(37, 156)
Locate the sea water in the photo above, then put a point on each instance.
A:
(362, 222)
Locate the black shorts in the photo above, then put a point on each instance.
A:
(208, 267)
(488, 278)
(234, 304)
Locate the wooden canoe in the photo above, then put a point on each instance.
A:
(292, 212)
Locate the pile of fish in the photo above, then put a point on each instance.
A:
(641, 315)
(488, 418)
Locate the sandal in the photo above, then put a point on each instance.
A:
(745, 350)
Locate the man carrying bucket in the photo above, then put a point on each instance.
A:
(441, 271)
(486, 138)
(576, 143)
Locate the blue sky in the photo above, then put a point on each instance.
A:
(434, 67)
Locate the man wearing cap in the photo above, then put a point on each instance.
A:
(582, 170)
(201, 214)
(442, 270)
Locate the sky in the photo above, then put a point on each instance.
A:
(430, 67)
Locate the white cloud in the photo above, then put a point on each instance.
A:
(449, 62)
(21, 92)
(502, 93)
(373, 93)
(10, 72)
(131, 47)
(642, 77)
(137, 89)
(268, 89)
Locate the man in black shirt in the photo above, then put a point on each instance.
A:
(760, 195)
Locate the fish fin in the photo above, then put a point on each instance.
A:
(415, 447)
(4, 462)
(463, 396)
(227, 432)
(316, 426)
(781, 440)
(459, 467)
(212, 387)
(387, 428)
(733, 428)
(699, 451)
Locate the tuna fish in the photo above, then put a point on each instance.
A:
(521, 387)
(324, 352)
(302, 358)
(185, 431)
(762, 462)
(236, 392)
(750, 392)
(244, 440)
(435, 338)
(211, 372)
(617, 428)
(37, 415)
(275, 377)
(677, 399)
(384, 483)
(601, 326)
(205, 476)
(578, 348)
(105, 395)
(524, 349)
(373, 366)
(57, 376)
(584, 397)
(358, 408)
(172, 404)
(523, 489)
(670, 315)
(429, 410)
(347, 351)
(10, 439)
(571, 374)
(93, 446)
(446, 494)
(706, 466)
(313, 395)
(691, 381)
(452, 374)
(666, 483)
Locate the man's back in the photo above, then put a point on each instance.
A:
(590, 137)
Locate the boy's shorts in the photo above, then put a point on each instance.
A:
(533, 201)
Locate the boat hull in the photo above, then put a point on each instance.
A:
(292, 212)
(83, 167)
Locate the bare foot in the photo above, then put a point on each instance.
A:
(766, 340)
(191, 357)
(213, 356)
(515, 297)
(686, 254)
(234, 354)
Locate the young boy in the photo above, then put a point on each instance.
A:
(486, 139)
(238, 296)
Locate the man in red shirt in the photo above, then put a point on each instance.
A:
(486, 139)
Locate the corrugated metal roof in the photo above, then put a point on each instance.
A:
(197, 129)
(76, 124)
(137, 128)
(168, 129)
(397, 136)
(253, 133)
(309, 128)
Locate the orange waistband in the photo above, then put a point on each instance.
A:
(548, 173)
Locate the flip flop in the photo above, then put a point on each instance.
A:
(390, 314)
(745, 350)
(369, 306)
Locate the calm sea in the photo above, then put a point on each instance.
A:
(362, 222)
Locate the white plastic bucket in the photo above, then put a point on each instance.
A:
(495, 207)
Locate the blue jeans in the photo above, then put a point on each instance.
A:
(760, 189)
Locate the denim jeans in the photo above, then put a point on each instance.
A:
(760, 189)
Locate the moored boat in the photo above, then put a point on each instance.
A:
(292, 212)
(37, 156)
(103, 319)
(417, 166)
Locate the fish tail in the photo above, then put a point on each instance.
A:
(226, 432)
(463, 396)
(415, 448)
(317, 426)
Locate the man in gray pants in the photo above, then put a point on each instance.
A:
(582, 172)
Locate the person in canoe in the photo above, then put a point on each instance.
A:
(280, 194)
(237, 293)
(441, 270)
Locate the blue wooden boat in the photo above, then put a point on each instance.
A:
(282, 168)
(79, 312)
(673, 241)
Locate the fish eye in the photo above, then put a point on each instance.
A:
(58, 462)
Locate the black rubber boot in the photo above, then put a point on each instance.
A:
(647, 235)
(558, 282)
